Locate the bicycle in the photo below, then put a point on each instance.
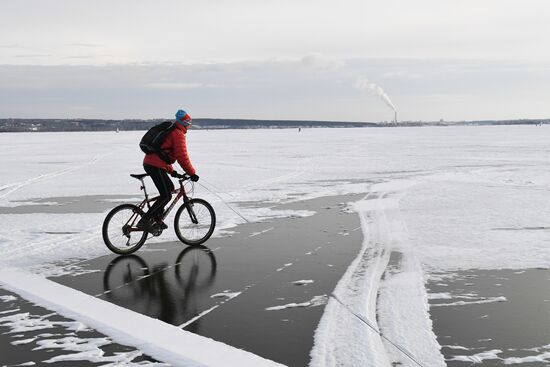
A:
(194, 222)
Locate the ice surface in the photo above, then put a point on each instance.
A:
(466, 182)
(444, 198)
(163, 341)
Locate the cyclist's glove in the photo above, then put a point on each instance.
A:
(174, 174)
(194, 178)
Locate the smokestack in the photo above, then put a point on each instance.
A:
(395, 117)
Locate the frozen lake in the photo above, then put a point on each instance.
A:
(434, 201)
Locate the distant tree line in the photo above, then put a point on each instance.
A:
(15, 125)
(22, 125)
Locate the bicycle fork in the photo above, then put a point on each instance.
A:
(190, 210)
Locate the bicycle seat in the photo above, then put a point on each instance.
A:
(139, 176)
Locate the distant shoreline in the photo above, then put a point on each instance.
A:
(53, 125)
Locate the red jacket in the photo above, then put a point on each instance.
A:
(176, 148)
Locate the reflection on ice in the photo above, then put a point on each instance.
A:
(165, 291)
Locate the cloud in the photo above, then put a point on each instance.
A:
(284, 89)
(174, 85)
(322, 62)
(23, 56)
(86, 45)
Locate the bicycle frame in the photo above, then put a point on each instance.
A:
(180, 193)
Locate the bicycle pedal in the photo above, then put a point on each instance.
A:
(156, 231)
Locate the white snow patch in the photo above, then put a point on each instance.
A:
(464, 303)
(459, 347)
(254, 234)
(479, 357)
(315, 301)
(226, 294)
(23, 341)
(25, 322)
(284, 266)
(439, 296)
(542, 358)
(303, 282)
(192, 320)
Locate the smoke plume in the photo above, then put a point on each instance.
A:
(363, 84)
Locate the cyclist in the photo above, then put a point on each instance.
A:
(175, 147)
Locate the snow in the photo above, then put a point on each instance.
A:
(493, 354)
(315, 301)
(261, 232)
(543, 358)
(439, 296)
(284, 266)
(445, 199)
(479, 357)
(25, 322)
(481, 301)
(479, 178)
(226, 294)
(303, 282)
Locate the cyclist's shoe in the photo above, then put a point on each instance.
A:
(155, 230)
(161, 224)
(144, 224)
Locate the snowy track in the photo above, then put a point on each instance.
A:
(385, 284)
(10, 188)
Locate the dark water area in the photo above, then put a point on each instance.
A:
(241, 288)
(33, 334)
(492, 317)
(68, 204)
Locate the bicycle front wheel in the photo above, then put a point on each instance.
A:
(195, 222)
(119, 229)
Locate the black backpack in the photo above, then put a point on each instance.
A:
(154, 137)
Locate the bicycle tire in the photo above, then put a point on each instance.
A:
(203, 238)
(107, 225)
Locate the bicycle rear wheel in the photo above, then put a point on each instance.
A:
(195, 222)
(119, 229)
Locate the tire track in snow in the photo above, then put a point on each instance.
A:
(70, 243)
(402, 308)
(365, 288)
(299, 170)
(358, 288)
(12, 187)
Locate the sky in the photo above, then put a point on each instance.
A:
(344, 60)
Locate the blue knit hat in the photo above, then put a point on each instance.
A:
(183, 118)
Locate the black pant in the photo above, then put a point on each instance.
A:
(164, 186)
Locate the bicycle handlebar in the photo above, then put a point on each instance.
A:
(180, 176)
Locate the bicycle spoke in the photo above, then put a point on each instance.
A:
(117, 230)
(195, 223)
